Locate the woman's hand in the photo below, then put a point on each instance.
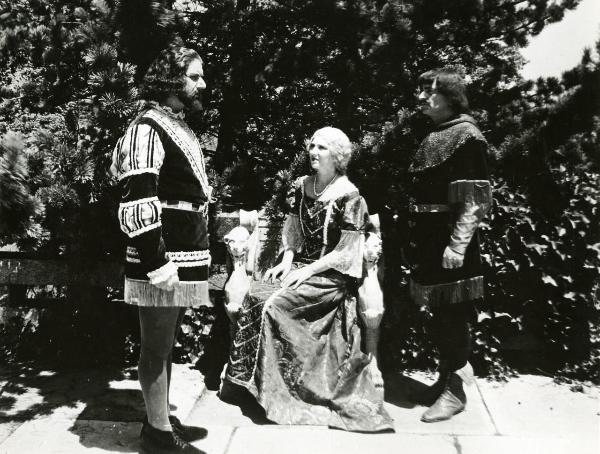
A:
(297, 277)
(277, 272)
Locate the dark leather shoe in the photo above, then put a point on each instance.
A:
(187, 433)
(154, 441)
(452, 401)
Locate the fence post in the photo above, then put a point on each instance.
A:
(17, 295)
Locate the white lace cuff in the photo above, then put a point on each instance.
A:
(163, 273)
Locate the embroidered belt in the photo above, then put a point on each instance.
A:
(180, 258)
(187, 206)
(429, 208)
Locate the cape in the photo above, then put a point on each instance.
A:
(440, 144)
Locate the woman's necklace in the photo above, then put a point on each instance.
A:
(319, 194)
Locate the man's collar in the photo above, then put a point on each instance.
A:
(462, 118)
(167, 110)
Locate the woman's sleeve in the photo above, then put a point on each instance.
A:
(137, 159)
(347, 256)
(470, 194)
(292, 237)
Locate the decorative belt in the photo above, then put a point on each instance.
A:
(187, 206)
(429, 208)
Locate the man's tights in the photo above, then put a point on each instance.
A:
(450, 331)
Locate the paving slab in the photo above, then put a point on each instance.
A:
(302, 440)
(407, 415)
(527, 445)
(31, 393)
(533, 405)
(7, 428)
(187, 385)
(50, 435)
(217, 440)
(210, 410)
(102, 395)
(475, 420)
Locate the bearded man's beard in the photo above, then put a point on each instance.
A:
(191, 103)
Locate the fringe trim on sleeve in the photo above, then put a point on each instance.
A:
(447, 292)
(470, 191)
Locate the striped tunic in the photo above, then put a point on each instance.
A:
(164, 198)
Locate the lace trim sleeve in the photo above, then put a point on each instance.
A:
(347, 256)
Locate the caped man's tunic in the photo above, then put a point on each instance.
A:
(450, 194)
(165, 192)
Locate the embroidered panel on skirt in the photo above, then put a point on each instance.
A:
(299, 354)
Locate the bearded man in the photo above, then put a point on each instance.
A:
(163, 209)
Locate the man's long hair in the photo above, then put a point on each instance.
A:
(165, 75)
(450, 83)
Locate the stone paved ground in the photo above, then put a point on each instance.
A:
(99, 412)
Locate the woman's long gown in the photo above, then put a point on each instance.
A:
(299, 352)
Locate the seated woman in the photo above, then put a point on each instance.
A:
(299, 352)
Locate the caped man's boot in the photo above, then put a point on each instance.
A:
(453, 399)
(428, 395)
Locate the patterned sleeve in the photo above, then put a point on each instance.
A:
(137, 159)
(347, 256)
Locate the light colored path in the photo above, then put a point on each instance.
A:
(527, 415)
(475, 421)
(99, 412)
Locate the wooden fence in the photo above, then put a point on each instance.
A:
(18, 270)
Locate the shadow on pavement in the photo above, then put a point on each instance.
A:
(401, 390)
(241, 397)
(98, 404)
(33, 392)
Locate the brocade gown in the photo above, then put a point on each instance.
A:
(299, 352)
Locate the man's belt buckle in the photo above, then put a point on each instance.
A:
(429, 208)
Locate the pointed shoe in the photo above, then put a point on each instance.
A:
(154, 441)
(428, 395)
(185, 432)
(445, 407)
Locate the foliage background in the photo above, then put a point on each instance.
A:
(276, 71)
